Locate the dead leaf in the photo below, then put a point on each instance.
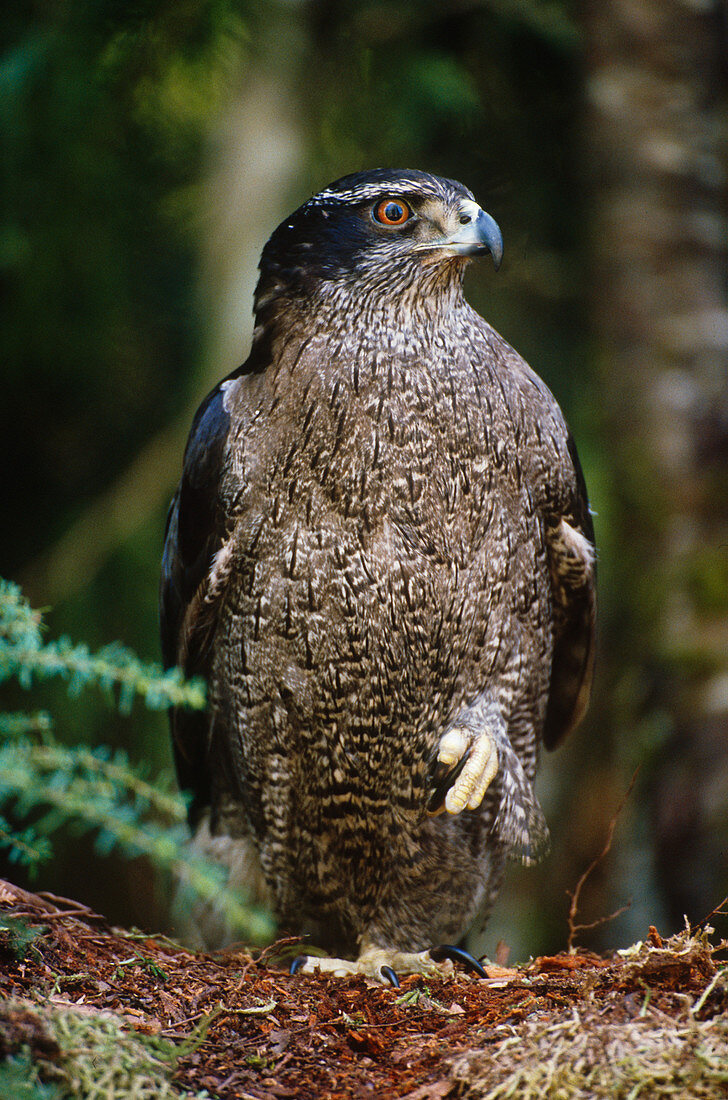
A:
(435, 1090)
(502, 973)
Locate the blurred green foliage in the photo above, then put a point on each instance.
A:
(103, 113)
(20, 1080)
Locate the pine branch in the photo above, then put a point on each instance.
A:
(24, 654)
(24, 848)
(17, 724)
(97, 790)
(79, 789)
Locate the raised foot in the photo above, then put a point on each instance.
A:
(378, 963)
(466, 766)
(470, 754)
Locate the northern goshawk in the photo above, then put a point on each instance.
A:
(381, 557)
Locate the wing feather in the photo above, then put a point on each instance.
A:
(188, 597)
(572, 560)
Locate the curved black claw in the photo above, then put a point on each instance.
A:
(389, 974)
(298, 962)
(443, 778)
(457, 954)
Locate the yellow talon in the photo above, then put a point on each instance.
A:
(469, 788)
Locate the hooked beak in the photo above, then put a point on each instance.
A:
(479, 234)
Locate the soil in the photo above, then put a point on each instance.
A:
(241, 1027)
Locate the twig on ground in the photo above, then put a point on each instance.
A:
(720, 910)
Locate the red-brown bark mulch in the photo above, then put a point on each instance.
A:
(270, 1035)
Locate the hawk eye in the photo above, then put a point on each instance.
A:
(392, 212)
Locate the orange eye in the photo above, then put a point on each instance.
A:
(392, 212)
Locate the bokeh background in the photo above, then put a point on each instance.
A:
(148, 150)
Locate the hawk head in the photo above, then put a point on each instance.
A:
(385, 228)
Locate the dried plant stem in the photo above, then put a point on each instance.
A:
(574, 927)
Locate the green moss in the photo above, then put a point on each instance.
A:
(98, 1058)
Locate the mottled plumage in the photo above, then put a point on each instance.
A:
(381, 539)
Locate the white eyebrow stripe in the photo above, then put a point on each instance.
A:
(373, 191)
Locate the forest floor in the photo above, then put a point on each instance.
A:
(88, 1011)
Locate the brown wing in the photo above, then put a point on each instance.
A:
(572, 558)
(188, 608)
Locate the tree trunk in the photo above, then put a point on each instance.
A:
(655, 90)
